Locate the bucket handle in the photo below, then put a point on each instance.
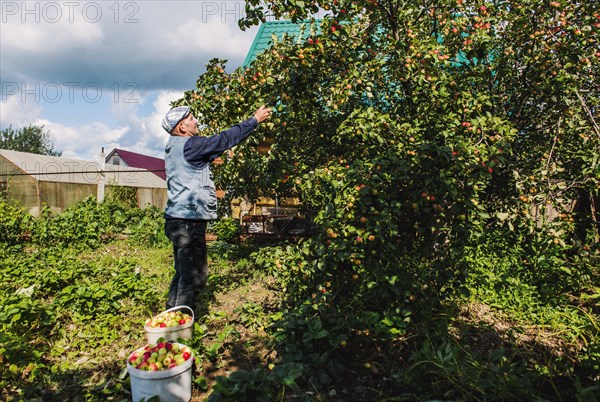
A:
(180, 307)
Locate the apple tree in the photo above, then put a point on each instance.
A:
(410, 128)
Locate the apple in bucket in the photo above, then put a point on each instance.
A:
(160, 356)
(169, 319)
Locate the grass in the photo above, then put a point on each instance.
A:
(500, 347)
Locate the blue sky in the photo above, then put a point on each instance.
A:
(102, 73)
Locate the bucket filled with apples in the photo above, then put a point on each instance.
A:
(162, 369)
(172, 324)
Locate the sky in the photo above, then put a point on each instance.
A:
(102, 73)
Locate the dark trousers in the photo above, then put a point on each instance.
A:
(190, 260)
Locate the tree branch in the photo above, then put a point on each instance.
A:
(589, 113)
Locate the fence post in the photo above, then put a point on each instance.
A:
(101, 178)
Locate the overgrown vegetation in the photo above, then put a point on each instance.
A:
(74, 302)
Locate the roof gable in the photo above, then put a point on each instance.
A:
(133, 159)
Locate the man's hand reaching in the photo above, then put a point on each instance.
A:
(263, 113)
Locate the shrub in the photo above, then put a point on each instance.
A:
(15, 224)
(148, 228)
(226, 229)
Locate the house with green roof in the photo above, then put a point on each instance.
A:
(299, 31)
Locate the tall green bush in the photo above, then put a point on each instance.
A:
(15, 224)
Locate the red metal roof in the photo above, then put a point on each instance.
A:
(132, 159)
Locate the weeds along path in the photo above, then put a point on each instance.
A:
(236, 337)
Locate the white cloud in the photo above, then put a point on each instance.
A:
(152, 123)
(210, 37)
(83, 141)
(14, 112)
(146, 135)
(46, 37)
(155, 45)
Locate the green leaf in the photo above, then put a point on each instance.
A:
(502, 215)
(201, 382)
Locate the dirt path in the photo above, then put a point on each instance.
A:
(249, 348)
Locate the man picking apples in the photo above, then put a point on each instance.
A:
(192, 199)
